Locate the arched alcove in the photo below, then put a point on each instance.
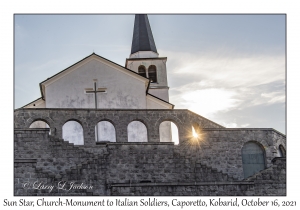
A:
(105, 131)
(142, 71)
(253, 158)
(137, 132)
(152, 73)
(282, 151)
(168, 132)
(39, 124)
(72, 131)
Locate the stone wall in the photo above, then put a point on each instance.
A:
(151, 168)
(41, 158)
(221, 148)
(88, 118)
(187, 189)
(215, 146)
(270, 182)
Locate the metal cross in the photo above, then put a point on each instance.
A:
(95, 91)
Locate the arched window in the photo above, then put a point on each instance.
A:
(106, 131)
(137, 132)
(168, 132)
(40, 124)
(72, 131)
(253, 158)
(142, 71)
(282, 151)
(152, 73)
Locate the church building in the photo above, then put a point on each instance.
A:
(98, 83)
(112, 127)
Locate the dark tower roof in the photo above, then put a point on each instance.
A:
(142, 39)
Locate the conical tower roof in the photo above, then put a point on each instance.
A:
(142, 39)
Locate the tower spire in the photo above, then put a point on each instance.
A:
(144, 59)
(142, 39)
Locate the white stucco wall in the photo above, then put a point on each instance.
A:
(137, 132)
(123, 90)
(154, 103)
(73, 132)
(106, 132)
(165, 132)
(39, 124)
(168, 132)
(36, 104)
(160, 93)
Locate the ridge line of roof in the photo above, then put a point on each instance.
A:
(86, 58)
(81, 61)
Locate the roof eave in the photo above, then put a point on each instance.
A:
(32, 102)
(162, 100)
(93, 54)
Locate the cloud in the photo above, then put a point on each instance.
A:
(245, 125)
(214, 83)
(230, 125)
(274, 97)
(205, 101)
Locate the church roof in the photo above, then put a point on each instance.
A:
(172, 105)
(93, 54)
(142, 39)
(42, 88)
(36, 100)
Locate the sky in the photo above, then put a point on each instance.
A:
(228, 68)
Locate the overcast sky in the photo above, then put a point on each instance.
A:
(228, 68)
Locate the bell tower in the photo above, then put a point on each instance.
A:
(144, 58)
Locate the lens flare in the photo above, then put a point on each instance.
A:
(194, 132)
